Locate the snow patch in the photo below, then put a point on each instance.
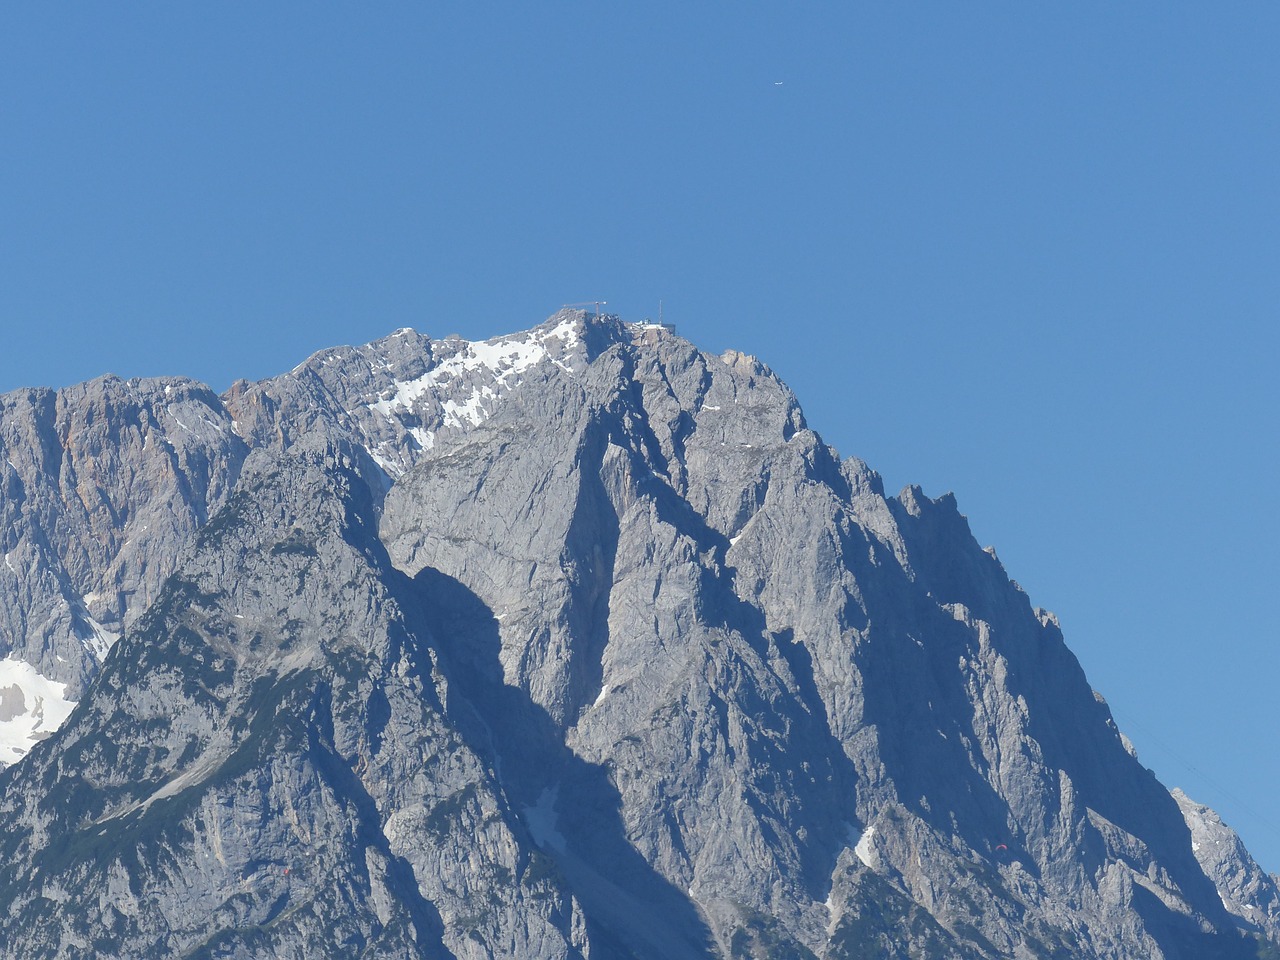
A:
(32, 707)
(469, 410)
(490, 366)
(833, 913)
(174, 417)
(388, 467)
(542, 819)
(505, 357)
(100, 640)
(9, 563)
(864, 851)
(604, 692)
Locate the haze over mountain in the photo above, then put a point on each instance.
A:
(574, 642)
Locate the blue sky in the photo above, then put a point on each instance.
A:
(1027, 253)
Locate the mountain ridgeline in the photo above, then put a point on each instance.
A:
(573, 643)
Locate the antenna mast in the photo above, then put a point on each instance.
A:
(588, 303)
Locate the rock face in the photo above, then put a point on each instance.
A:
(102, 486)
(1246, 890)
(574, 643)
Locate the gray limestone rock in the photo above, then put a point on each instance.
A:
(265, 766)
(576, 642)
(1246, 890)
(102, 486)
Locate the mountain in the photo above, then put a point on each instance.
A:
(573, 643)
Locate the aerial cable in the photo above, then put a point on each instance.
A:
(1130, 721)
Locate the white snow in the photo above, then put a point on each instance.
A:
(469, 410)
(604, 692)
(169, 410)
(864, 851)
(388, 467)
(498, 363)
(511, 357)
(734, 540)
(9, 563)
(542, 820)
(505, 357)
(101, 639)
(31, 708)
(833, 918)
(406, 391)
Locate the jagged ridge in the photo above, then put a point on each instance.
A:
(573, 641)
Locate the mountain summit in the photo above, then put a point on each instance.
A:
(577, 642)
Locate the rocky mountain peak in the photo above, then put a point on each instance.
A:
(577, 641)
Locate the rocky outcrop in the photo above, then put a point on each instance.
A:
(580, 642)
(265, 767)
(1246, 890)
(102, 485)
(106, 483)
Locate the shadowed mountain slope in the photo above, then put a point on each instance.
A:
(579, 642)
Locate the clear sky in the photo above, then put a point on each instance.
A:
(1029, 253)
